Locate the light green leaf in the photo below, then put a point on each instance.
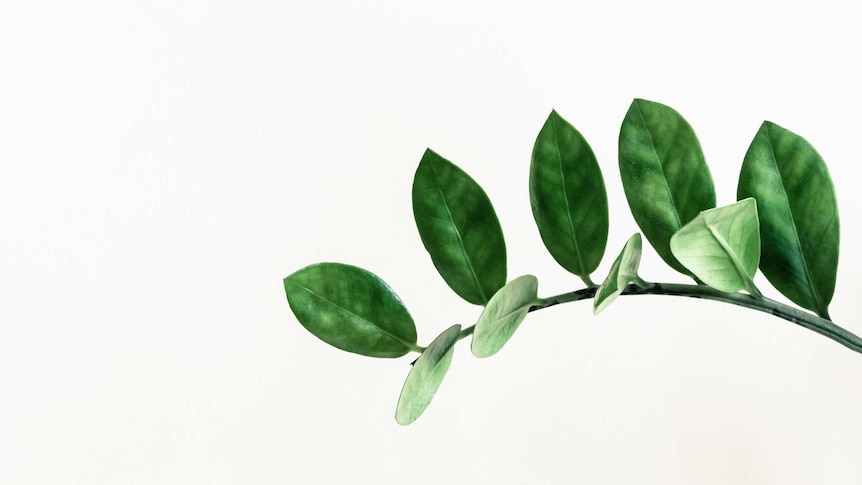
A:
(426, 376)
(664, 174)
(623, 271)
(503, 314)
(352, 309)
(722, 246)
(459, 228)
(567, 194)
(798, 215)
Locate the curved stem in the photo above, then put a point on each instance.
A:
(760, 303)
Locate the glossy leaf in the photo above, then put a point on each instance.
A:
(664, 174)
(798, 215)
(459, 228)
(623, 272)
(567, 194)
(352, 309)
(426, 376)
(722, 246)
(503, 314)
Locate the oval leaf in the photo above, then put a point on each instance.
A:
(503, 314)
(722, 246)
(459, 228)
(664, 174)
(798, 215)
(426, 376)
(623, 271)
(352, 309)
(567, 194)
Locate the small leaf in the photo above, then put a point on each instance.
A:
(567, 194)
(722, 246)
(623, 271)
(798, 215)
(352, 309)
(664, 174)
(459, 229)
(426, 376)
(503, 314)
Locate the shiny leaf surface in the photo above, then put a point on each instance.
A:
(426, 376)
(623, 271)
(459, 229)
(503, 314)
(352, 309)
(722, 246)
(567, 194)
(798, 215)
(664, 174)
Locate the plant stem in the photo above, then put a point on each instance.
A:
(812, 322)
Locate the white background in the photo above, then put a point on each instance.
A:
(166, 164)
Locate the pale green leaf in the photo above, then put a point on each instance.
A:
(503, 314)
(623, 272)
(426, 376)
(722, 246)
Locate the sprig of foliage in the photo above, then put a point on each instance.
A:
(785, 223)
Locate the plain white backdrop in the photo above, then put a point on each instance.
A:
(166, 164)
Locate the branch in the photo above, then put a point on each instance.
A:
(812, 322)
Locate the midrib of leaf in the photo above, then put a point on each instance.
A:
(661, 169)
(507, 315)
(815, 293)
(458, 233)
(360, 317)
(737, 265)
(577, 247)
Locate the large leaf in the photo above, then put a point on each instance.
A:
(568, 197)
(798, 215)
(426, 376)
(722, 246)
(664, 174)
(503, 314)
(459, 228)
(623, 271)
(351, 309)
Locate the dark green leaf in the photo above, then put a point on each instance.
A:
(351, 309)
(459, 228)
(503, 314)
(568, 197)
(664, 174)
(722, 246)
(426, 376)
(798, 215)
(623, 271)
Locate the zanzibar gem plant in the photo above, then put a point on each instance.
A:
(785, 223)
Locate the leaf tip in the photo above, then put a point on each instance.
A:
(596, 309)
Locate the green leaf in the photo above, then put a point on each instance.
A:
(503, 314)
(664, 174)
(352, 309)
(722, 246)
(567, 194)
(623, 271)
(459, 228)
(798, 215)
(426, 376)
